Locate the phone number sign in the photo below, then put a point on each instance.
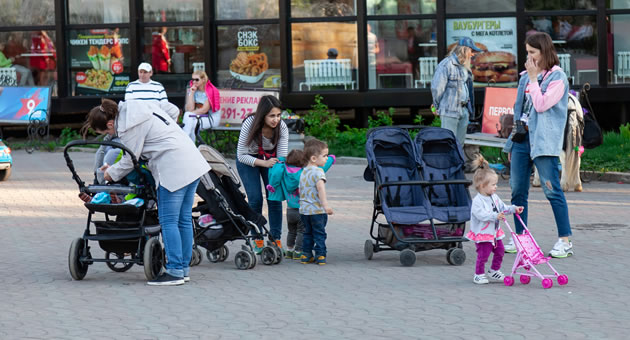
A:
(237, 104)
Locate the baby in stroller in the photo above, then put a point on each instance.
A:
(486, 212)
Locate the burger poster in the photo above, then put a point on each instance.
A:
(97, 61)
(496, 37)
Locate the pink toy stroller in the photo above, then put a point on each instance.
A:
(528, 255)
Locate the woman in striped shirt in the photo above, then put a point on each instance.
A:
(264, 137)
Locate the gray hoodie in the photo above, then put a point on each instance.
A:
(151, 134)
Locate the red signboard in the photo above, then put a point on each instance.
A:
(498, 101)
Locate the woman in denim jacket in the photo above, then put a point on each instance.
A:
(541, 103)
(451, 88)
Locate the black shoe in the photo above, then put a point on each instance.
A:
(166, 279)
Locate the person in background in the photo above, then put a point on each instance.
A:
(202, 98)
(264, 137)
(144, 88)
(332, 53)
(451, 87)
(160, 55)
(414, 51)
(541, 104)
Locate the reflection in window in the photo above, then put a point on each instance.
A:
(27, 12)
(98, 11)
(619, 57)
(617, 4)
(172, 10)
(247, 9)
(538, 5)
(314, 45)
(174, 53)
(476, 6)
(249, 56)
(99, 61)
(575, 40)
(33, 55)
(394, 7)
(322, 8)
(397, 59)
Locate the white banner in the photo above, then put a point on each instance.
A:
(237, 104)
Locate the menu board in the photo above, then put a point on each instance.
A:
(496, 37)
(97, 61)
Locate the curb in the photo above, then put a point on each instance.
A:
(617, 177)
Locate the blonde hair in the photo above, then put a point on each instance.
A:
(484, 174)
(202, 75)
(460, 52)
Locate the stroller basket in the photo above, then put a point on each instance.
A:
(114, 209)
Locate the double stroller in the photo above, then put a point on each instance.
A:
(129, 234)
(420, 189)
(232, 218)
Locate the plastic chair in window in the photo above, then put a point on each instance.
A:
(199, 66)
(623, 66)
(8, 76)
(565, 64)
(427, 69)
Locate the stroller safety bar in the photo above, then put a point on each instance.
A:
(116, 189)
(425, 183)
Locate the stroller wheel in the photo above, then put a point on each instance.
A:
(254, 259)
(199, 255)
(243, 260)
(213, 256)
(118, 267)
(268, 255)
(368, 249)
(195, 259)
(456, 256)
(77, 268)
(224, 252)
(563, 280)
(279, 255)
(547, 283)
(407, 257)
(525, 279)
(508, 281)
(153, 258)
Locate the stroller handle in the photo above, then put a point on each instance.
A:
(425, 183)
(70, 164)
(520, 220)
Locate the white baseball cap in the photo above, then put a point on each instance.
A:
(145, 66)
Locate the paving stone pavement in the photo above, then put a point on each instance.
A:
(350, 298)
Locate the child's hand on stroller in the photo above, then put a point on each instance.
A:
(519, 209)
(501, 216)
(85, 197)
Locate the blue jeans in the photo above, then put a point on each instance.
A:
(457, 125)
(520, 173)
(251, 181)
(175, 212)
(314, 233)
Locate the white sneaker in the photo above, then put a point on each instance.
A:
(496, 275)
(186, 278)
(561, 249)
(510, 247)
(480, 279)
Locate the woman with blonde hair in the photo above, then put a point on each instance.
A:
(203, 103)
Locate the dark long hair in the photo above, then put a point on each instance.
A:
(542, 41)
(265, 105)
(98, 116)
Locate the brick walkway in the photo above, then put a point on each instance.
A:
(350, 298)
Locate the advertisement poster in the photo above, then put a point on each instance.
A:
(496, 37)
(248, 64)
(236, 104)
(22, 104)
(97, 59)
(498, 102)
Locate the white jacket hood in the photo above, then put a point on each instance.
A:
(133, 112)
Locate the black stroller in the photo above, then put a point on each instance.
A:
(420, 189)
(233, 219)
(128, 234)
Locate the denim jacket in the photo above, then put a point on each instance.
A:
(449, 87)
(548, 114)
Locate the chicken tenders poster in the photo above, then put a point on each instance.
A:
(98, 63)
(496, 37)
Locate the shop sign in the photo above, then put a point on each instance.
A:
(496, 37)
(23, 104)
(98, 58)
(249, 64)
(498, 102)
(237, 104)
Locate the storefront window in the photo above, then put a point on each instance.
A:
(174, 53)
(541, 5)
(98, 11)
(395, 7)
(404, 53)
(314, 45)
(173, 10)
(617, 4)
(575, 39)
(480, 6)
(247, 9)
(249, 56)
(33, 55)
(27, 12)
(496, 37)
(619, 56)
(99, 61)
(322, 8)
